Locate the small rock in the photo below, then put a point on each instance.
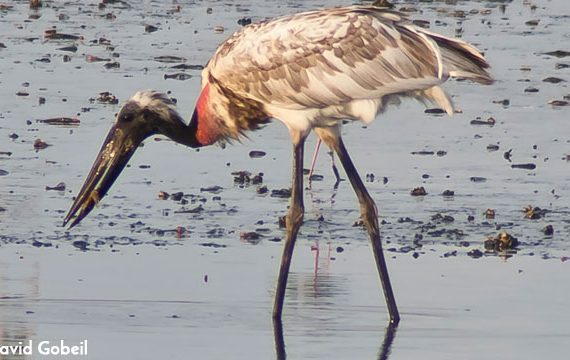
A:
(358, 223)
(71, 48)
(60, 121)
(196, 210)
(490, 121)
(212, 189)
(251, 237)
(439, 218)
(502, 241)
(39, 144)
(434, 111)
(419, 191)
(105, 97)
(528, 166)
(448, 193)
(477, 179)
(257, 179)
(504, 102)
(475, 254)
(548, 230)
(59, 187)
(81, 244)
(489, 214)
(507, 155)
(558, 103)
(534, 212)
(244, 21)
(558, 53)
(281, 193)
(169, 59)
(423, 152)
(178, 76)
(187, 67)
(177, 196)
(553, 80)
(150, 28)
(112, 65)
(163, 195)
(254, 154)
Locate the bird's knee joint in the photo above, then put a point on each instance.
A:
(369, 212)
(295, 216)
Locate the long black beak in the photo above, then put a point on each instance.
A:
(119, 146)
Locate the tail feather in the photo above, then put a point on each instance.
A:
(461, 59)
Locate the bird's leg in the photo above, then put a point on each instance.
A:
(280, 353)
(315, 155)
(293, 223)
(369, 214)
(335, 170)
(389, 336)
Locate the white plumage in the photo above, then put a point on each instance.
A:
(312, 69)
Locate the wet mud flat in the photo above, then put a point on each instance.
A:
(66, 68)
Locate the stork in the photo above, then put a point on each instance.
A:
(309, 70)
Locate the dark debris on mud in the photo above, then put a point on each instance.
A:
(459, 230)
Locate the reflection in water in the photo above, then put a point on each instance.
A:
(279, 340)
(383, 352)
(322, 258)
(389, 335)
(317, 288)
(14, 287)
(322, 290)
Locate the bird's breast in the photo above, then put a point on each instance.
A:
(224, 115)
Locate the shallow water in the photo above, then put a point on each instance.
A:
(126, 281)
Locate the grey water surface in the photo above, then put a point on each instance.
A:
(193, 278)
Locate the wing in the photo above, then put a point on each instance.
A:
(321, 58)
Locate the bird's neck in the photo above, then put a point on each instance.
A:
(219, 115)
(205, 124)
(202, 129)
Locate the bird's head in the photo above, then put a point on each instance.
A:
(145, 114)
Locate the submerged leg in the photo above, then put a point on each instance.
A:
(293, 223)
(369, 214)
(315, 155)
(389, 335)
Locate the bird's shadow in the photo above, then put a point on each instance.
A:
(383, 351)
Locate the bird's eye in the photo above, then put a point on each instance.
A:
(126, 118)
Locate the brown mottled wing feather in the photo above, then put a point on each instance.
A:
(327, 57)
